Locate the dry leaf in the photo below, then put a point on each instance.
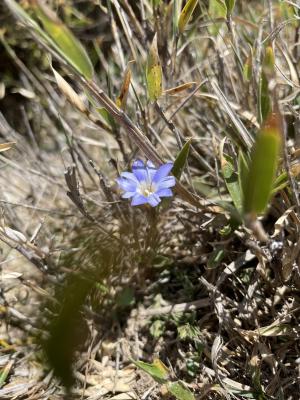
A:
(6, 146)
(69, 92)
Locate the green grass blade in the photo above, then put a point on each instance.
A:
(267, 74)
(157, 370)
(217, 9)
(243, 171)
(70, 47)
(231, 181)
(230, 5)
(180, 391)
(186, 14)
(181, 159)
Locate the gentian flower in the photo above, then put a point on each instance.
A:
(147, 184)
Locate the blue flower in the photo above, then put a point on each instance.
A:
(147, 184)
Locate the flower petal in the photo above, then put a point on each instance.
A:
(162, 172)
(164, 193)
(166, 183)
(138, 199)
(138, 164)
(130, 176)
(151, 169)
(139, 171)
(128, 195)
(153, 200)
(127, 185)
(150, 164)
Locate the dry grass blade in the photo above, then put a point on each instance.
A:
(244, 137)
(6, 146)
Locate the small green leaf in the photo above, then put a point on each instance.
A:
(265, 104)
(5, 372)
(247, 69)
(275, 330)
(217, 9)
(269, 60)
(180, 391)
(106, 115)
(156, 3)
(231, 179)
(186, 14)
(289, 11)
(70, 47)
(230, 5)
(243, 171)
(157, 329)
(280, 182)
(154, 72)
(265, 101)
(264, 161)
(216, 258)
(181, 159)
(125, 297)
(161, 261)
(157, 370)
(188, 331)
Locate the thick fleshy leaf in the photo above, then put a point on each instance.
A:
(264, 160)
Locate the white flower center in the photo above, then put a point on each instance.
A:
(147, 188)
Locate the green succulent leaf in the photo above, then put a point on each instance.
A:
(263, 166)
